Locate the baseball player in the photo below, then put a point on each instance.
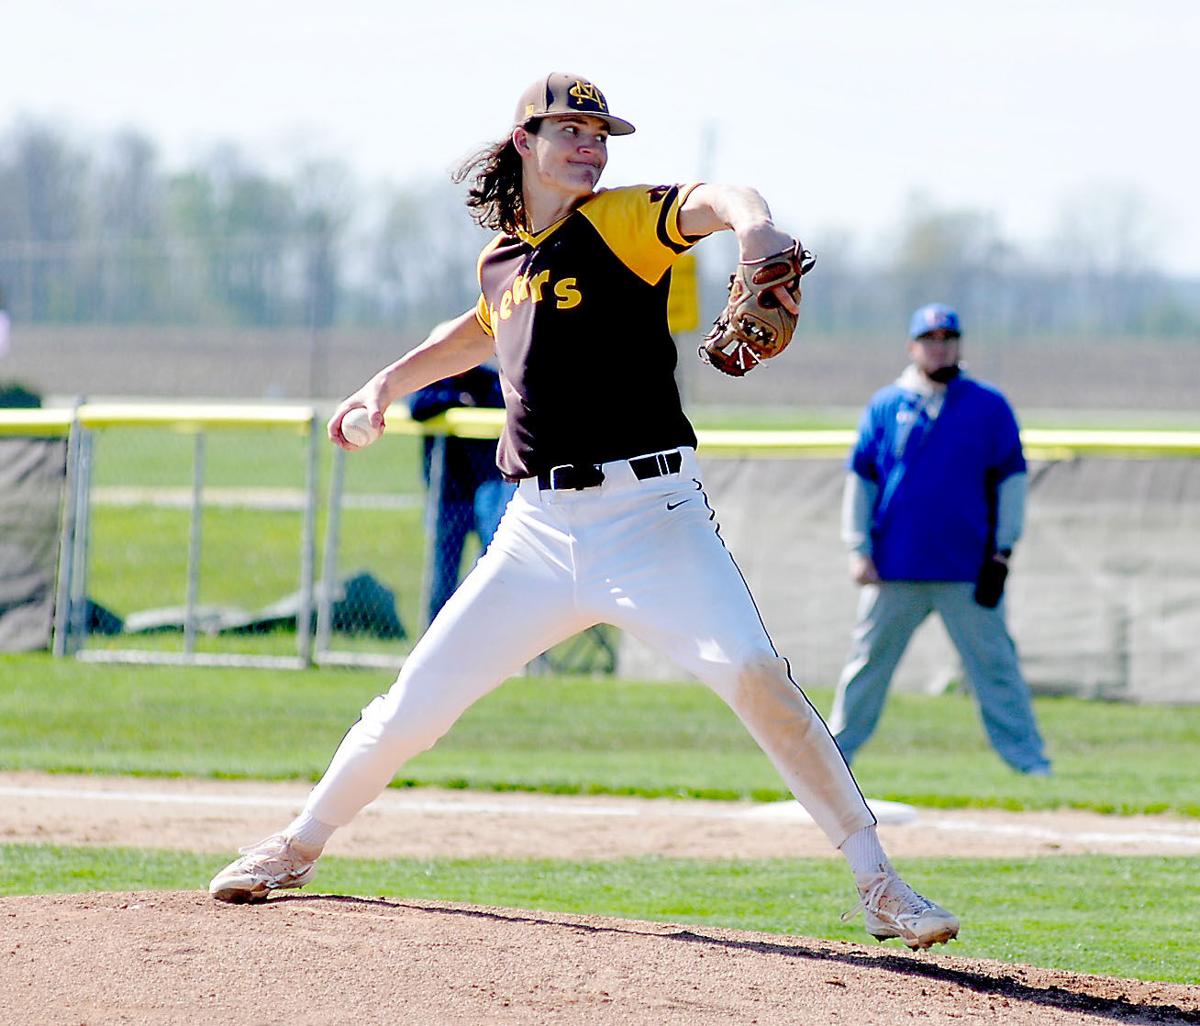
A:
(933, 505)
(610, 522)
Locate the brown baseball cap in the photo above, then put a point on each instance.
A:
(560, 93)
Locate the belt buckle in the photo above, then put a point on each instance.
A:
(573, 473)
(554, 485)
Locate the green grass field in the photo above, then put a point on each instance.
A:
(1116, 916)
(250, 556)
(574, 736)
(1120, 916)
(149, 457)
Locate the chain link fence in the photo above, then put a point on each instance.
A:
(239, 536)
(189, 535)
(236, 535)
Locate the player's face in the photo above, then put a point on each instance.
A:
(934, 352)
(568, 155)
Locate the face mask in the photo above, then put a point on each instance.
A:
(944, 375)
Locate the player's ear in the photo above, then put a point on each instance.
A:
(520, 140)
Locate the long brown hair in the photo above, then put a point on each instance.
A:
(495, 195)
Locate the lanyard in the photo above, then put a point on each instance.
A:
(913, 415)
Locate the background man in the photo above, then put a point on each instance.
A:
(933, 505)
(467, 492)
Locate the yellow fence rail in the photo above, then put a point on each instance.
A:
(1039, 443)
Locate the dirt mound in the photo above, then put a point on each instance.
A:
(181, 958)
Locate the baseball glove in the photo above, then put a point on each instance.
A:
(989, 585)
(754, 326)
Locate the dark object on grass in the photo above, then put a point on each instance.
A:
(14, 395)
(98, 620)
(367, 607)
(361, 605)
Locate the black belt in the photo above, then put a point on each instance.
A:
(578, 476)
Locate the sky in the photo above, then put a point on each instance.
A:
(839, 113)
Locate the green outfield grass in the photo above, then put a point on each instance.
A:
(250, 559)
(150, 457)
(572, 736)
(1116, 916)
(250, 556)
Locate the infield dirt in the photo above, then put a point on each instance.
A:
(180, 958)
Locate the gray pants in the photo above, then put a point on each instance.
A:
(888, 614)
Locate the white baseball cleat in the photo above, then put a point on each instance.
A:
(893, 909)
(272, 864)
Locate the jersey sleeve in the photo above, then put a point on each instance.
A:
(483, 315)
(483, 312)
(640, 224)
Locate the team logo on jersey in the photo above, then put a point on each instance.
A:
(530, 288)
(586, 96)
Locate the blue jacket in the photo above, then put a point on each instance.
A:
(935, 504)
(470, 462)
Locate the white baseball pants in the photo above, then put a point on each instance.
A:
(644, 556)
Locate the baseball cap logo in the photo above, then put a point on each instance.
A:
(561, 93)
(586, 96)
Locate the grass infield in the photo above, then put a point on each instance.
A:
(1107, 915)
(572, 736)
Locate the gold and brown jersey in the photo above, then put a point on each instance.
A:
(579, 315)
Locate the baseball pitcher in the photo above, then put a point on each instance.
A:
(610, 522)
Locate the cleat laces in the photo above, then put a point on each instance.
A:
(272, 858)
(911, 905)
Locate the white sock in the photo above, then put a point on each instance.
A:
(309, 832)
(865, 854)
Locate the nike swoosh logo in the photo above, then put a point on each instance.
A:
(677, 504)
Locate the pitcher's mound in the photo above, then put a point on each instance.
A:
(306, 959)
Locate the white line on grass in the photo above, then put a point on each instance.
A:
(1105, 837)
(1180, 836)
(885, 812)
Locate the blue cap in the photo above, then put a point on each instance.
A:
(933, 317)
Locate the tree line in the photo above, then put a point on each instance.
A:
(105, 234)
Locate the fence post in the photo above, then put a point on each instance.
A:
(66, 543)
(304, 631)
(77, 628)
(194, 544)
(329, 558)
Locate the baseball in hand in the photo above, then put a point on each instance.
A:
(357, 428)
